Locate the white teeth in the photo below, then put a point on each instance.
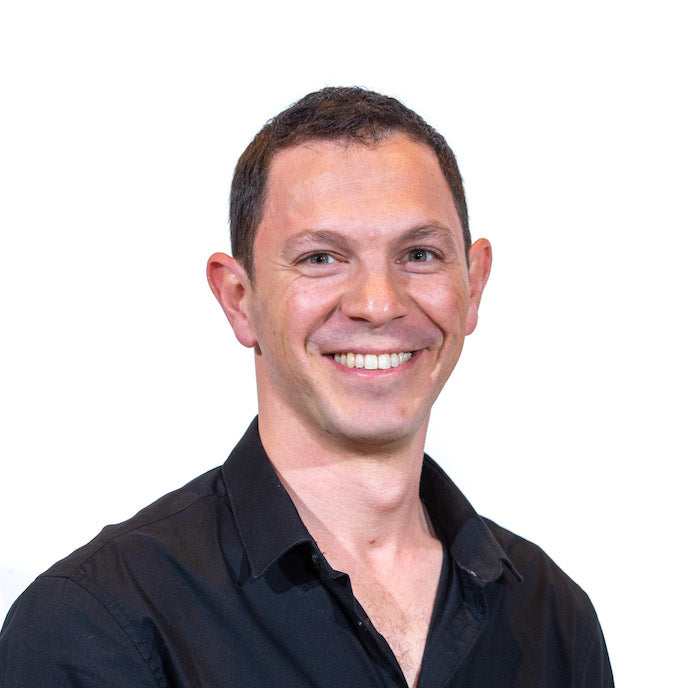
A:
(371, 361)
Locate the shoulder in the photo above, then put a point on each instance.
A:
(180, 525)
(162, 549)
(545, 589)
(58, 634)
(176, 523)
(538, 570)
(95, 611)
(549, 611)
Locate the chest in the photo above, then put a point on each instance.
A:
(400, 606)
(292, 628)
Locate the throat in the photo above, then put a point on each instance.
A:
(400, 602)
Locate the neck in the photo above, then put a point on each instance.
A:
(354, 500)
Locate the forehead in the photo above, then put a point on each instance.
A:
(389, 185)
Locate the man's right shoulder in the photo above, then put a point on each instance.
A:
(160, 524)
(175, 539)
(95, 605)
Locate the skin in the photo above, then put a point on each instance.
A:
(335, 272)
(359, 250)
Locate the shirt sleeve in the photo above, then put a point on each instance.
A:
(596, 671)
(59, 635)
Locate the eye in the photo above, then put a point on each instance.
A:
(419, 255)
(320, 259)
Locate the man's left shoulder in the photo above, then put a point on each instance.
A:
(542, 577)
(549, 614)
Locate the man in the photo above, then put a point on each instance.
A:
(328, 550)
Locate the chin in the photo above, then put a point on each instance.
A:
(372, 431)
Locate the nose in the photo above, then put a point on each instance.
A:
(374, 295)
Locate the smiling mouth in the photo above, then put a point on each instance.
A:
(372, 361)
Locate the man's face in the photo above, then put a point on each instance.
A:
(359, 260)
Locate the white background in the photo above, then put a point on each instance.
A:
(121, 124)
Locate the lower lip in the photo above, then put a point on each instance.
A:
(364, 372)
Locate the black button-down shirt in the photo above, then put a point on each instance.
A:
(219, 584)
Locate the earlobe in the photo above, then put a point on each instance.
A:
(479, 265)
(232, 288)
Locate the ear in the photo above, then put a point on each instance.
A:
(232, 288)
(479, 264)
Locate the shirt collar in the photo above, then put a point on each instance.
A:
(269, 524)
(266, 518)
(471, 543)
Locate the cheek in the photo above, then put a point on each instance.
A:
(446, 303)
(307, 305)
(292, 312)
(268, 319)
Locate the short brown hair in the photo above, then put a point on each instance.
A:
(346, 113)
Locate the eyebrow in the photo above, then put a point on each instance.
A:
(318, 236)
(427, 231)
